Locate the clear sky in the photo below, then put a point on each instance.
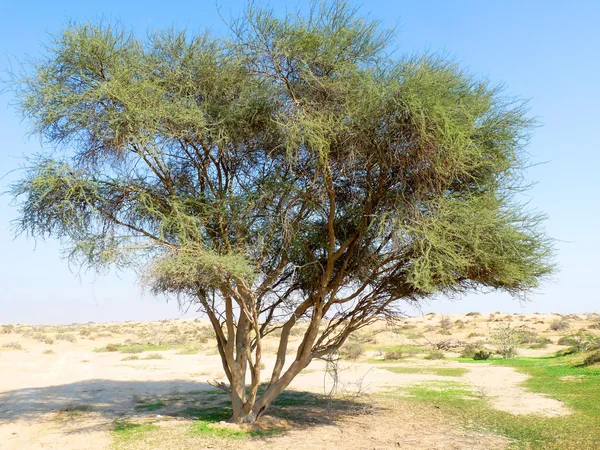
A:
(548, 51)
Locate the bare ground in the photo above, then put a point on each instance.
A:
(69, 399)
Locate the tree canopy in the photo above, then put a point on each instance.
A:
(290, 172)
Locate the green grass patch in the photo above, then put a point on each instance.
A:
(442, 371)
(151, 406)
(134, 348)
(209, 430)
(125, 433)
(561, 378)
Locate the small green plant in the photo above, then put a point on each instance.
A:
(48, 352)
(506, 339)
(131, 358)
(482, 355)
(154, 356)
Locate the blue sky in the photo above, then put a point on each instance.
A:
(546, 51)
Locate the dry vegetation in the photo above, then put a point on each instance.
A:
(143, 385)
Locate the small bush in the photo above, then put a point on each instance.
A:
(473, 314)
(459, 324)
(131, 358)
(469, 350)
(154, 356)
(435, 354)
(593, 358)
(85, 333)
(506, 339)
(66, 337)
(393, 355)
(559, 325)
(541, 343)
(581, 341)
(43, 338)
(481, 355)
(7, 329)
(49, 352)
(109, 348)
(13, 345)
(352, 350)
(445, 323)
(475, 334)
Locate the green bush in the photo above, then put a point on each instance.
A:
(581, 341)
(481, 355)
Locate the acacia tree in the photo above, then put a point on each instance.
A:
(289, 173)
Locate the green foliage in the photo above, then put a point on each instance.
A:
(167, 103)
(481, 355)
(506, 338)
(580, 341)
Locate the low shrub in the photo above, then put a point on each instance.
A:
(7, 329)
(43, 338)
(66, 337)
(559, 325)
(475, 334)
(352, 350)
(435, 354)
(481, 355)
(593, 358)
(506, 339)
(393, 355)
(581, 341)
(131, 358)
(154, 356)
(13, 345)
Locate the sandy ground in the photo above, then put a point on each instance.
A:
(38, 390)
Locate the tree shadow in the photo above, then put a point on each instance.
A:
(103, 401)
